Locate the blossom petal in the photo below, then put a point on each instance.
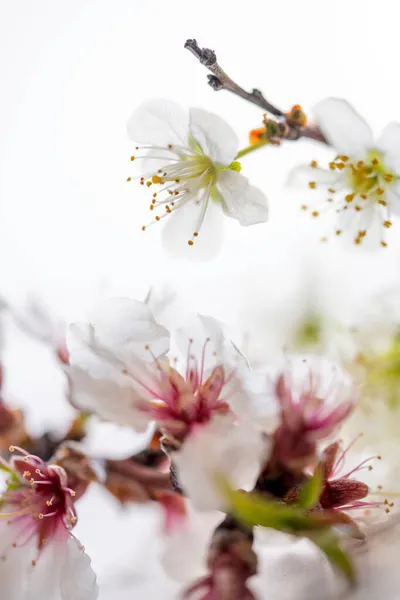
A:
(389, 143)
(123, 327)
(294, 570)
(221, 448)
(181, 225)
(343, 127)
(112, 399)
(240, 200)
(78, 581)
(393, 199)
(216, 138)
(303, 175)
(159, 122)
(184, 566)
(198, 329)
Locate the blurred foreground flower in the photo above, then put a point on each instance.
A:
(39, 555)
(362, 182)
(192, 166)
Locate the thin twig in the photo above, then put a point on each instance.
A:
(219, 80)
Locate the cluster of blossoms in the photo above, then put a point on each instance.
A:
(222, 436)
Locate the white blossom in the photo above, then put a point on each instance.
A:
(192, 173)
(362, 182)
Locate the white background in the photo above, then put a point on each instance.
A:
(70, 230)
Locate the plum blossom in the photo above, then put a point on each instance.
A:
(39, 556)
(191, 170)
(362, 181)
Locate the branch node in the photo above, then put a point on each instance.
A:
(214, 82)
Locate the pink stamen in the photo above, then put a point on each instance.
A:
(360, 467)
(340, 460)
(203, 355)
(188, 359)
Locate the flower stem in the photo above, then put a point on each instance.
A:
(251, 148)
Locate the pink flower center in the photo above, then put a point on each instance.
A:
(37, 501)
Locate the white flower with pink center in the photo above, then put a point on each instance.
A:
(121, 370)
(190, 169)
(189, 397)
(39, 556)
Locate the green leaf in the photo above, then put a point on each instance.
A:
(252, 509)
(311, 491)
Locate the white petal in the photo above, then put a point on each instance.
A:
(121, 327)
(127, 325)
(215, 137)
(78, 581)
(294, 570)
(38, 321)
(393, 199)
(111, 398)
(389, 143)
(180, 226)
(159, 122)
(343, 127)
(221, 448)
(253, 397)
(301, 176)
(15, 564)
(199, 328)
(240, 200)
(196, 534)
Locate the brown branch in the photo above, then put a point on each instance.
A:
(219, 80)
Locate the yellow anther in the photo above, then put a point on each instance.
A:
(332, 166)
(349, 197)
(315, 213)
(387, 224)
(382, 202)
(132, 158)
(143, 227)
(388, 177)
(156, 179)
(338, 231)
(383, 244)
(332, 190)
(148, 183)
(340, 166)
(312, 184)
(380, 191)
(190, 242)
(304, 207)
(343, 158)
(128, 178)
(314, 164)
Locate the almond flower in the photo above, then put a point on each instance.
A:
(362, 181)
(122, 373)
(39, 556)
(313, 404)
(190, 169)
